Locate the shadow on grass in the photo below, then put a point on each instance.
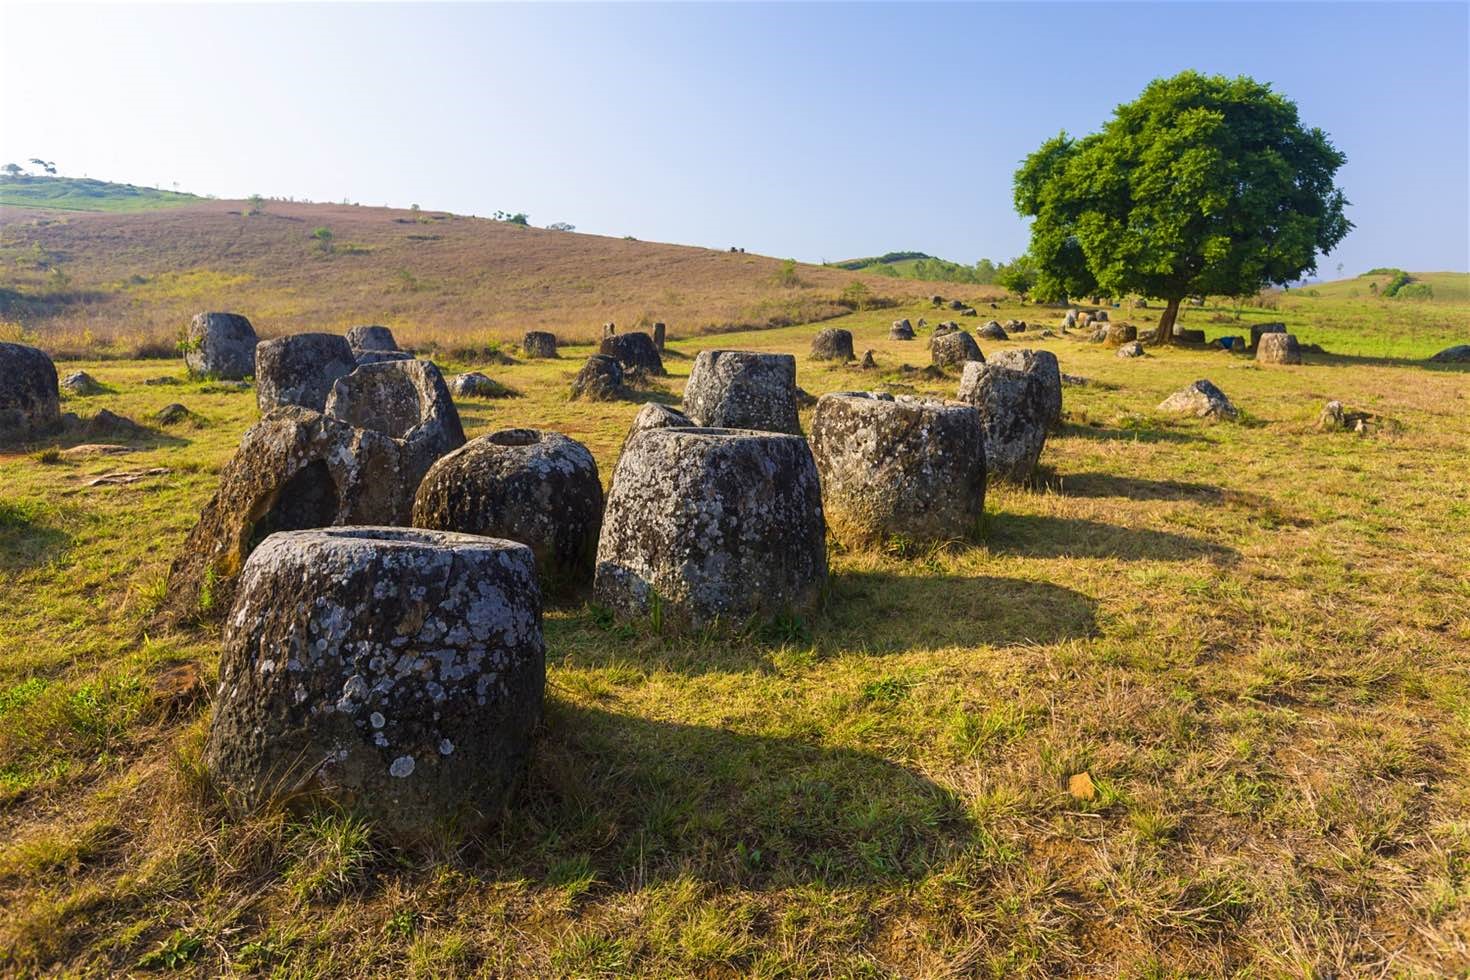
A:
(1367, 360)
(1075, 431)
(1133, 488)
(1040, 536)
(27, 538)
(633, 800)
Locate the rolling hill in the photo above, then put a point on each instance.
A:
(85, 194)
(98, 282)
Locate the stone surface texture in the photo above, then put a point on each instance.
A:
(300, 369)
(30, 398)
(739, 389)
(1015, 409)
(954, 349)
(220, 345)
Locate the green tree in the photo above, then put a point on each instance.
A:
(985, 272)
(13, 169)
(323, 238)
(1203, 185)
(45, 165)
(1018, 276)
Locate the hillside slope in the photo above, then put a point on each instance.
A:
(84, 194)
(127, 283)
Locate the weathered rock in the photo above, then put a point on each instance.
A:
(956, 304)
(176, 414)
(898, 466)
(1015, 409)
(107, 424)
(936, 300)
(922, 323)
(473, 384)
(1131, 349)
(407, 400)
(609, 329)
(1260, 329)
(832, 344)
(1099, 335)
(1183, 335)
(1101, 315)
(166, 380)
(869, 361)
(600, 380)
(372, 337)
(220, 345)
(396, 672)
(30, 400)
(1016, 326)
(634, 351)
(993, 331)
(1043, 364)
(659, 332)
(743, 390)
(1278, 348)
(969, 311)
(81, 383)
(1332, 417)
(942, 328)
(655, 416)
(1201, 399)
(537, 487)
(1458, 354)
(901, 330)
(704, 524)
(539, 343)
(954, 350)
(380, 356)
(1117, 334)
(300, 369)
(295, 469)
(1070, 320)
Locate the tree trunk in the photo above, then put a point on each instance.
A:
(1166, 323)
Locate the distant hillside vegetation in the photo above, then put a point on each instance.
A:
(84, 194)
(925, 267)
(1397, 284)
(117, 284)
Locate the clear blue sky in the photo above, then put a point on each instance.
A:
(815, 131)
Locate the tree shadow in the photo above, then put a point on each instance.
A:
(26, 538)
(1043, 536)
(635, 801)
(1365, 360)
(1104, 434)
(1133, 488)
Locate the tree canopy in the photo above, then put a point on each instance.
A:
(1202, 185)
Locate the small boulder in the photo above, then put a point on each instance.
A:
(869, 362)
(936, 300)
(635, 352)
(954, 350)
(600, 380)
(969, 311)
(609, 329)
(300, 369)
(81, 383)
(956, 304)
(1278, 348)
(109, 425)
(539, 343)
(473, 384)
(1333, 418)
(220, 345)
(529, 485)
(901, 330)
(1015, 409)
(1458, 354)
(30, 399)
(655, 416)
(367, 338)
(942, 328)
(993, 331)
(660, 331)
(832, 344)
(1118, 334)
(1101, 315)
(1202, 400)
(392, 671)
(177, 414)
(1016, 326)
(712, 524)
(898, 466)
(1131, 349)
(1185, 336)
(743, 390)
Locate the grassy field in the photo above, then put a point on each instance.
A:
(1252, 636)
(124, 285)
(82, 194)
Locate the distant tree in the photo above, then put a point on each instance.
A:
(323, 238)
(1018, 276)
(413, 207)
(1202, 185)
(257, 204)
(560, 226)
(856, 295)
(13, 169)
(984, 272)
(786, 275)
(519, 218)
(49, 167)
